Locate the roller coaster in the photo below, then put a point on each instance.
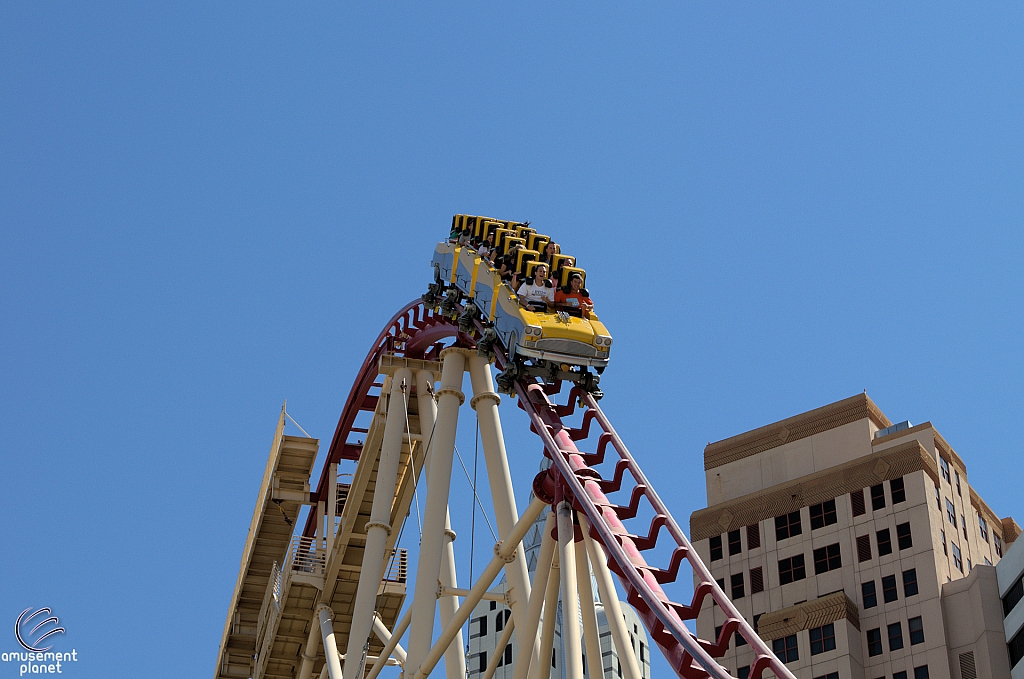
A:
(330, 599)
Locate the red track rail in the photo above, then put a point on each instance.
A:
(416, 331)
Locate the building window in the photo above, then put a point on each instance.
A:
(757, 618)
(787, 525)
(895, 636)
(740, 641)
(944, 468)
(721, 585)
(743, 672)
(481, 628)
(997, 541)
(867, 594)
(877, 497)
(983, 528)
(718, 634)
(823, 639)
(943, 534)
(968, 565)
(884, 542)
(1016, 648)
(863, 548)
(830, 675)
(950, 512)
(857, 502)
(957, 482)
(500, 619)
(823, 514)
(874, 642)
(963, 523)
(898, 492)
(899, 675)
(958, 560)
(827, 559)
(735, 546)
(916, 627)
(506, 658)
(481, 661)
(889, 593)
(938, 502)
(903, 536)
(756, 580)
(737, 586)
(1013, 595)
(785, 648)
(921, 672)
(791, 569)
(753, 536)
(716, 547)
(910, 582)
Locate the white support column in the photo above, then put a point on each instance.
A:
(572, 650)
(485, 401)
(330, 645)
(454, 659)
(504, 554)
(591, 635)
(547, 633)
(529, 652)
(391, 645)
(332, 505)
(612, 608)
(381, 630)
(378, 527)
(309, 653)
(442, 447)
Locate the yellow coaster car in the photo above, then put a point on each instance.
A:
(547, 344)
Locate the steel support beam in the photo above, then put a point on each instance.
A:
(572, 650)
(530, 652)
(442, 448)
(612, 607)
(454, 659)
(378, 527)
(330, 645)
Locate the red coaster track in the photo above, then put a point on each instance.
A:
(417, 332)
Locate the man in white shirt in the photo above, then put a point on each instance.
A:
(537, 293)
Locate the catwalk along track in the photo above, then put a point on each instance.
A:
(328, 598)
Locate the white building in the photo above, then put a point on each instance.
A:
(489, 617)
(1009, 574)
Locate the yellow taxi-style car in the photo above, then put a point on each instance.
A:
(548, 344)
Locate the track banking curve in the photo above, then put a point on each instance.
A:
(417, 331)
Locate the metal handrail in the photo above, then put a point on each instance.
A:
(398, 566)
(305, 556)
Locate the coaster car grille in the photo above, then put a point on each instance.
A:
(566, 346)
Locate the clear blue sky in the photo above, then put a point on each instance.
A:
(206, 208)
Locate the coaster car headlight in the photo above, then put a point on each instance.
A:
(603, 341)
(534, 330)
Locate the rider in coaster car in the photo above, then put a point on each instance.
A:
(537, 293)
(506, 266)
(550, 250)
(574, 298)
(486, 246)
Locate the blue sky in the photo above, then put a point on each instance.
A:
(208, 208)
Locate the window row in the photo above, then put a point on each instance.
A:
(883, 540)
(826, 559)
(869, 593)
(920, 672)
(894, 633)
(735, 542)
(789, 525)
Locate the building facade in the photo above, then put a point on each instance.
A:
(855, 546)
(489, 617)
(1010, 580)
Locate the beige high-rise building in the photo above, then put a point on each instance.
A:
(856, 546)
